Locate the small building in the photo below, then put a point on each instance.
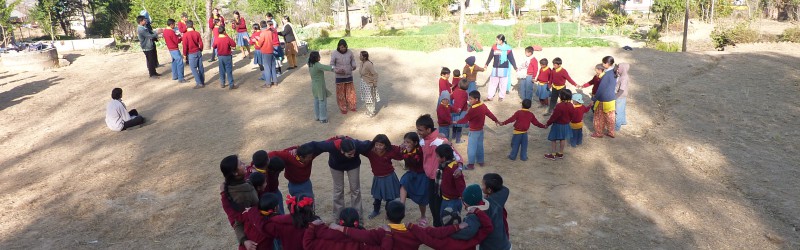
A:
(641, 6)
(359, 16)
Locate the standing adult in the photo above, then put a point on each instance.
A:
(149, 27)
(172, 40)
(622, 94)
(291, 42)
(265, 39)
(343, 159)
(318, 88)
(118, 118)
(502, 55)
(242, 37)
(344, 64)
(369, 84)
(148, 46)
(430, 139)
(193, 51)
(605, 105)
(215, 15)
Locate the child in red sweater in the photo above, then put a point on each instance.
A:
(560, 132)
(414, 183)
(319, 236)
(456, 80)
(527, 73)
(449, 186)
(291, 228)
(385, 185)
(577, 120)
(214, 34)
(558, 77)
(476, 116)
(444, 83)
(522, 119)
(257, 48)
(224, 46)
(595, 82)
(459, 97)
(255, 217)
(444, 114)
(543, 83)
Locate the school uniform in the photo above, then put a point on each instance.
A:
(454, 84)
(272, 182)
(576, 124)
(403, 237)
(211, 20)
(476, 117)
(385, 185)
(444, 117)
(181, 27)
(282, 227)
(323, 238)
(560, 119)
(297, 173)
(192, 49)
(526, 74)
(444, 87)
(484, 228)
(559, 78)
(497, 238)
(519, 140)
(471, 74)
(501, 197)
(253, 219)
(414, 180)
(256, 50)
(431, 165)
(449, 186)
(214, 35)
(267, 58)
(235, 199)
(172, 40)
(341, 165)
(242, 37)
(459, 97)
(605, 104)
(595, 82)
(543, 85)
(224, 46)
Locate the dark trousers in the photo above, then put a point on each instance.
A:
(138, 120)
(457, 133)
(435, 203)
(152, 62)
(554, 98)
(376, 205)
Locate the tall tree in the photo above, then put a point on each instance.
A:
(6, 27)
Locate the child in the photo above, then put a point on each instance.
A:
(543, 83)
(444, 83)
(254, 219)
(236, 195)
(414, 183)
(193, 51)
(493, 189)
(443, 113)
(476, 116)
(239, 25)
(460, 108)
(559, 78)
(298, 162)
(450, 186)
(498, 238)
(385, 185)
(369, 83)
(172, 40)
(257, 49)
(224, 46)
(259, 182)
(318, 88)
(319, 236)
(276, 48)
(265, 39)
(577, 120)
(522, 119)
(595, 82)
(456, 80)
(291, 228)
(526, 74)
(562, 115)
(471, 73)
(214, 34)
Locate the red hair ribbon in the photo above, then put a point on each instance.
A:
(292, 202)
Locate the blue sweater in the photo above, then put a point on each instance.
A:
(337, 160)
(605, 91)
(497, 240)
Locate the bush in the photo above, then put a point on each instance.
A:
(741, 33)
(664, 46)
(605, 8)
(548, 19)
(791, 35)
(653, 35)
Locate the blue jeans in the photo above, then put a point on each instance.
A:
(213, 51)
(472, 86)
(226, 70)
(177, 65)
(475, 147)
(526, 88)
(519, 143)
(269, 69)
(196, 65)
(321, 109)
(301, 188)
(455, 204)
(620, 107)
(444, 131)
(577, 137)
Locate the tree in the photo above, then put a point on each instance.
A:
(461, 19)
(44, 15)
(434, 7)
(264, 6)
(6, 27)
(667, 11)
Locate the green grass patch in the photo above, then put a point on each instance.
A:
(413, 43)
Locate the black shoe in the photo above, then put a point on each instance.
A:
(323, 121)
(183, 81)
(154, 76)
(234, 87)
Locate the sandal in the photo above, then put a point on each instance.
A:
(422, 222)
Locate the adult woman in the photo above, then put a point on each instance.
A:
(291, 42)
(118, 118)
(501, 54)
(344, 64)
(242, 37)
(369, 84)
(215, 15)
(321, 93)
(604, 108)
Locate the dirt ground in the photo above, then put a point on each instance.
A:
(708, 159)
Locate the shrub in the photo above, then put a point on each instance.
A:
(605, 8)
(664, 46)
(653, 35)
(791, 35)
(741, 33)
(548, 19)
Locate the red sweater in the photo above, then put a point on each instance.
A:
(544, 75)
(192, 42)
(562, 114)
(444, 85)
(181, 27)
(240, 26)
(265, 38)
(447, 243)
(215, 32)
(253, 224)
(211, 21)
(476, 116)
(171, 39)
(577, 113)
(254, 39)
(452, 187)
(560, 77)
(224, 45)
(282, 227)
(295, 171)
(533, 67)
(459, 97)
(443, 114)
(275, 40)
(382, 164)
(454, 86)
(522, 121)
(403, 237)
(595, 82)
(413, 160)
(323, 238)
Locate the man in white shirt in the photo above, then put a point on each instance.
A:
(118, 118)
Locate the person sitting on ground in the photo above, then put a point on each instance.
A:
(118, 118)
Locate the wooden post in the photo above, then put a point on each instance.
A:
(685, 26)
(347, 17)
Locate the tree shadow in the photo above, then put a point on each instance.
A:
(5, 74)
(25, 91)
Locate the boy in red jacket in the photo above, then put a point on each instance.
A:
(193, 51)
(577, 120)
(299, 161)
(526, 77)
(320, 237)
(522, 119)
(598, 73)
(444, 83)
(476, 116)
(449, 185)
(214, 34)
(172, 40)
(224, 46)
(559, 78)
(443, 114)
(459, 97)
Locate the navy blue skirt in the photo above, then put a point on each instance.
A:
(386, 187)
(242, 39)
(458, 116)
(541, 91)
(257, 57)
(416, 185)
(559, 132)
